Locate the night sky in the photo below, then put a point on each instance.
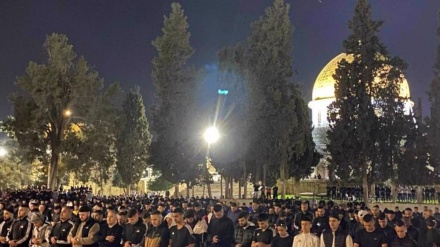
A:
(115, 36)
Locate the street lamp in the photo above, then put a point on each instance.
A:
(211, 135)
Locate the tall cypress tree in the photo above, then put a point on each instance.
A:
(433, 120)
(133, 140)
(174, 112)
(305, 156)
(416, 156)
(230, 160)
(364, 113)
(274, 109)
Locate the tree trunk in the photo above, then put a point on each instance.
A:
(245, 189)
(208, 185)
(331, 172)
(207, 178)
(231, 186)
(221, 186)
(264, 175)
(192, 191)
(257, 176)
(365, 182)
(187, 189)
(176, 190)
(53, 169)
(419, 194)
(245, 183)
(295, 187)
(239, 189)
(282, 179)
(393, 191)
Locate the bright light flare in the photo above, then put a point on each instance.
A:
(67, 113)
(211, 135)
(3, 152)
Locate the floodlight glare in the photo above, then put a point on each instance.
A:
(211, 135)
(3, 152)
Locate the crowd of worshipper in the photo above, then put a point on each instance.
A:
(33, 219)
(404, 194)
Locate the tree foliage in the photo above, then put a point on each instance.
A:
(47, 90)
(278, 112)
(14, 172)
(433, 121)
(91, 150)
(366, 119)
(416, 157)
(159, 184)
(305, 155)
(232, 111)
(174, 114)
(274, 131)
(133, 140)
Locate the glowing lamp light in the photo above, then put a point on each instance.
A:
(211, 135)
(3, 152)
(67, 113)
(223, 92)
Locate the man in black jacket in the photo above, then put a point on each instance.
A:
(134, 230)
(244, 230)
(21, 228)
(111, 233)
(429, 236)
(61, 229)
(85, 232)
(181, 233)
(383, 224)
(221, 229)
(158, 234)
(401, 238)
(335, 234)
(304, 213)
(320, 223)
(8, 218)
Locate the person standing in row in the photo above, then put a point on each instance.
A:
(41, 231)
(244, 231)
(5, 226)
(181, 233)
(85, 232)
(335, 236)
(402, 238)
(158, 235)
(370, 236)
(282, 239)
(21, 228)
(61, 229)
(134, 230)
(220, 229)
(263, 235)
(110, 234)
(306, 238)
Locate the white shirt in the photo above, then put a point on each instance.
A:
(41, 233)
(306, 240)
(348, 241)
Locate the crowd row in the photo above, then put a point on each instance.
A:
(158, 221)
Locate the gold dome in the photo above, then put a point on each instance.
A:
(324, 87)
